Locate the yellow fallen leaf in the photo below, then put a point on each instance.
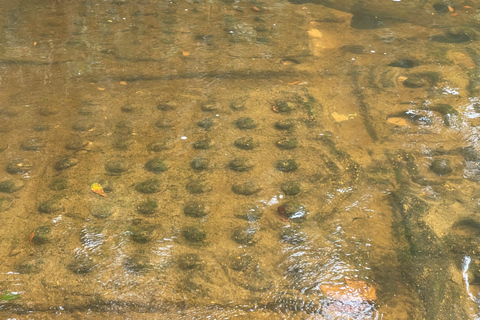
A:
(97, 188)
(397, 121)
(101, 89)
(124, 83)
(343, 117)
(185, 53)
(35, 43)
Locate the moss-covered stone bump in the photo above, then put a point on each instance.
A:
(124, 127)
(48, 111)
(200, 164)
(246, 143)
(206, 123)
(245, 236)
(30, 265)
(3, 146)
(156, 165)
(415, 82)
(246, 188)
(291, 188)
(81, 264)
(243, 263)
(196, 209)
(286, 165)
(166, 107)
(162, 145)
(11, 185)
(137, 263)
(404, 63)
(65, 163)
(441, 166)
(283, 106)
(194, 233)
(250, 212)
(31, 144)
(102, 210)
(83, 125)
(41, 127)
(92, 236)
(149, 186)
(52, 205)
(116, 166)
(210, 107)
(197, 186)
(76, 143)
(203, 144)
(293, 235)
(292, 210)
(19, 166)
(165, 123)
(241, 164)
(237, 105)
(140, 234)
(147, 207)
(42, 235)
(287, 143)
(286, 124)
(189, 261)
(245, 123)
(5, 203)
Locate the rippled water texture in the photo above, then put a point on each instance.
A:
(234, 159)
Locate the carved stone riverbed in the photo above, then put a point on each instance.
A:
(256, 160)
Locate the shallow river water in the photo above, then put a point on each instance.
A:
(231, 159)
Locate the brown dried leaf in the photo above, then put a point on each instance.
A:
(353, 291)
(397, 121)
